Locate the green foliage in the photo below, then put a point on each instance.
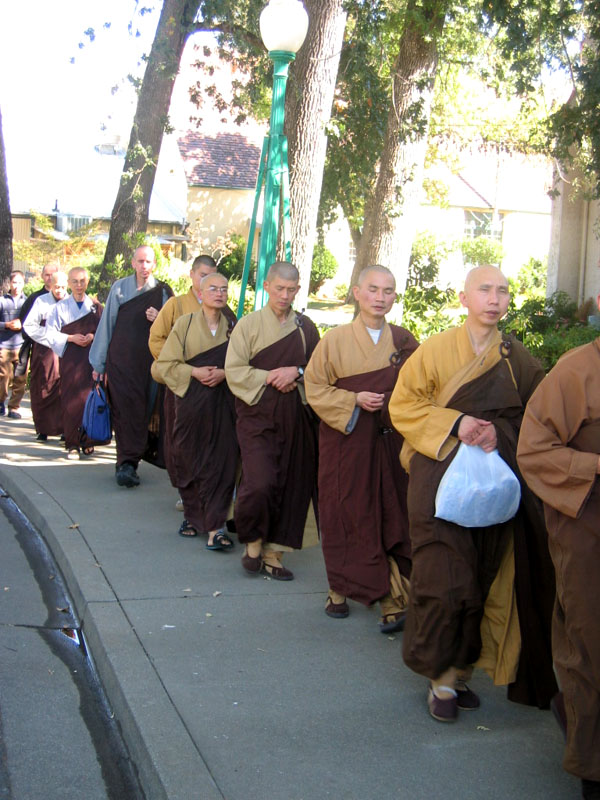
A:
(341, 291)
(232, 264)
(530, 282)
(324, 266)
(235, 287)
(426, 311)
(481, 250)
(548, 327)
(426, 308)
(428, 253)
(32, 286)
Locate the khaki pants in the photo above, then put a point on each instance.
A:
(8, 361)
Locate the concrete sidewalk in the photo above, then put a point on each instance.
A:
(238, 687)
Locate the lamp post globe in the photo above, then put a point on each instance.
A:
(283, 25)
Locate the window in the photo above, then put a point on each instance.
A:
(483, 223)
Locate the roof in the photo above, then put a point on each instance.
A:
(225, 160)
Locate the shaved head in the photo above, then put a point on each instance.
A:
(481, 274)
(283, 270)
(375, 268)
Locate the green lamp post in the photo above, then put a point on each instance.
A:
(283, 27)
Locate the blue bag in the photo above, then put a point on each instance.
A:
(95, 426)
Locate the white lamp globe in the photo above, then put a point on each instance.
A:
(283, 25)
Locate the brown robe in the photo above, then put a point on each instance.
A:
(76, 378)
(454, 567)
(278, 443)
(362, 486)
(204, 445)
(44, 390)
(558, 455)
(174, 309)
(135, 399)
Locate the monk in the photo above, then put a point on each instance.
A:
(162, 326)
(25, 351)
(559, 456)
(267, 354)
(362, 487)
(470, 384)
(120, 351)
(70, 330)
(44, 383)
(204, 447)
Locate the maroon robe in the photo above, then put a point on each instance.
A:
(278, 443)
(362, 490)
(44, 390)
(76, 377)
(133, 395)
(454, 567)
(204, 446)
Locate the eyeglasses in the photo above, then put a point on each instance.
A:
(217, 289)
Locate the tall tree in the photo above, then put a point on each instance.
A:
(6, 231)
(130, 212)
(388, 229)
(308, 110)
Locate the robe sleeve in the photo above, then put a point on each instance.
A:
(558, 474)
(245, 382)
(170, 364)
(104, 332)
(161, 327)
(426, 426)
(33, 327)
(55, 339)
(334, 406)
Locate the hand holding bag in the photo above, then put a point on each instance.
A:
(95, 426)
(478, 489)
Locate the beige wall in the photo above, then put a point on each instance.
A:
(217, 212)
(573, 263)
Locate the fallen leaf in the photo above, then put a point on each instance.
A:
(63, 610)
(482, 728)
(208, 615)
(216, 594)
(51, 577)
(74, 525)
(187, 590)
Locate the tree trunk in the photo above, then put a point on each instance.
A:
(389, 221)
(130, 212)
(308, 108)
(6, 230)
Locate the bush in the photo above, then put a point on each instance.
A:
(233, 297)
(324, 266)
(481, 250)
(232, 265)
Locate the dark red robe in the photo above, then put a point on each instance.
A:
(362, 490)
(204, 446)
(76, 377)
(278, 443)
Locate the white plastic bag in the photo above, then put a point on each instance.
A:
(477, 489)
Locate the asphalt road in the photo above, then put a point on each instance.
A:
(58, 736)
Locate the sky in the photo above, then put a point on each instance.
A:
(53, 109)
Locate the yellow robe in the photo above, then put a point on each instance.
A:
(426, 382)
(162, 326)
(190, 336)
(251, 335)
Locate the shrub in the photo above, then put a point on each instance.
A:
(232, 264)
(324, 266)
(481, 250)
